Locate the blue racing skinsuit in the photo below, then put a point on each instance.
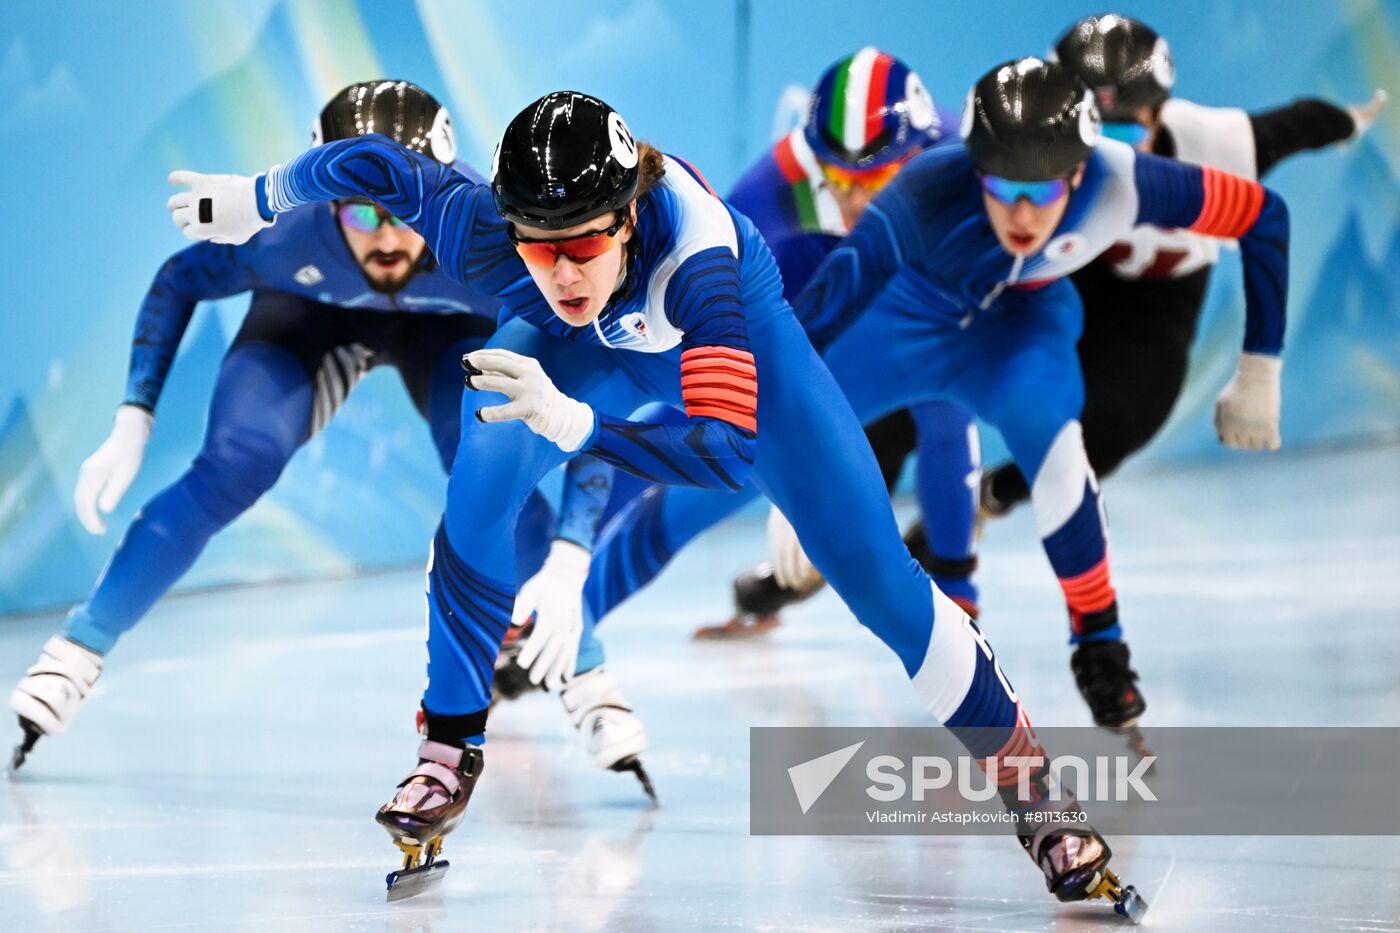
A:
(701, 326)
(921, 302)
(786, 197)
(313, 329)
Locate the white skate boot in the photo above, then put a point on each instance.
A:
(48, 697)
(613, 735)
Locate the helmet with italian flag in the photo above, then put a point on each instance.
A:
(869, 109)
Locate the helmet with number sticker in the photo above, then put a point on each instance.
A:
(401, 110)
(564, 160)
(869, 109)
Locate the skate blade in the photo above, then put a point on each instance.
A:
(633, 764)
(22, 750)
(737, 629)
(1127, 902)
(1132, 734)
(409, 882)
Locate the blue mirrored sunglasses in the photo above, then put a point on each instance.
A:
(1131, 133)
(1039, 193)
(366, 217)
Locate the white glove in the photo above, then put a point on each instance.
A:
(105, 476)
(791, 568)
(533, 398)
(230, 205)
(554, 596)
(1363, 115)
(1246, 413)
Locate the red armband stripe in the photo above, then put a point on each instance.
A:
(1231, 204)
(718, 365)
(1021, 744)
(735, 380)
(1090, 591)
(720, 382)
(738, 397)
(711, 353)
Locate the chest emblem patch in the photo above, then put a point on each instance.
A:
(308, 276)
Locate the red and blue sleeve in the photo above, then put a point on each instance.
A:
(1210, 202)
(715, 446)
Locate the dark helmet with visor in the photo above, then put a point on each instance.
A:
(564, 160)
(1029, 120)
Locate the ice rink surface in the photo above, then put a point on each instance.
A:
(225, 774)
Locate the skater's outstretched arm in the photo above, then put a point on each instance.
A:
(1307, 123)
(202, 272)
(456, 215)
(1214, 203)
(1205, 200)
(893, 229)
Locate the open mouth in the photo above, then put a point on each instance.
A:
(1021, 242)
(385, 262)
(573, 306)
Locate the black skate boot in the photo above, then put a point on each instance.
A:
(758, 598)
(1107, 683)
(428, 805)
(991, 505)
(511, 681)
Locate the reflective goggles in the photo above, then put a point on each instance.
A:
(578, 249)
(871, 179)
(366, 217)
(1039, 193)
(1134, 134)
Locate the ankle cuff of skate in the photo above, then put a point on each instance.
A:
(947, 566)
(1085, 624)
(453, 730)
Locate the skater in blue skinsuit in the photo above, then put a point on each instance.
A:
(626, 280)
(952, 286)
(868, 115)
(337, 289)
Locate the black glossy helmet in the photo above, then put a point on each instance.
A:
(564, 160)
(1124, 62)
(1029, 120)
(401, 110)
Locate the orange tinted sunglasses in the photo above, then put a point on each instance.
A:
(578, 249)
(871, 179)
